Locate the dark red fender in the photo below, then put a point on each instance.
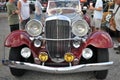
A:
(17, 38)
(99, 39)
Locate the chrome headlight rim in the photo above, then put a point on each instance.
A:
(38, 25)
(37, 43)
(82, 25)
(76, 43)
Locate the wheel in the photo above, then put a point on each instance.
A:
(15, 55)
(102, 56)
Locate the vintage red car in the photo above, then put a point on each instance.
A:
(63, 43)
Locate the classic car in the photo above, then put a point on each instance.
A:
(63, 43)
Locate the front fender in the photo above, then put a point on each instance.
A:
(100, 39)
(17, 38)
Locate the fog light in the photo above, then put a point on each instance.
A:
(87, 53)
(43, 56)
(69, 57)
(25, 52)
(37, 43)
(76, 44)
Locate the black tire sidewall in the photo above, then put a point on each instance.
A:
(15, 56)
(102, 56)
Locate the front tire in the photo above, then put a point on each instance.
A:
(102, 56)
(15, 56)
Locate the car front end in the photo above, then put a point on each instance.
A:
(64, 43)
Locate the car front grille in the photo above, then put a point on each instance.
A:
(57, 29)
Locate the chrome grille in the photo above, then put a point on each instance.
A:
(57, 29)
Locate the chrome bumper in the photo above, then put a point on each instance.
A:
(72, 69)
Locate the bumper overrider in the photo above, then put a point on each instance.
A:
(71, 69)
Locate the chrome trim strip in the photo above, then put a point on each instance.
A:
(72, 69)
(57, 39)
(75, 38)
(41, 38)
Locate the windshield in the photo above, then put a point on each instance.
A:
(63, 6)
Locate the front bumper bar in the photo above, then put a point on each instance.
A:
(72, 69)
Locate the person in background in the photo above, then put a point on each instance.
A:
(116, 13)
(3, 5)
(24, 15)
(97, 14)
(13, 18)
(38, 10)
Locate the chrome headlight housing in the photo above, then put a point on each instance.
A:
(37, 43)
(80, 28)
(76, 44)
(34, 27)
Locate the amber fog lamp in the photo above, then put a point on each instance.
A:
(68, 57)
(43, 56)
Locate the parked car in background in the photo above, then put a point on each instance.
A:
(62, 43)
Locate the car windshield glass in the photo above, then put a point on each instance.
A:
(64, 4)
(68, 6)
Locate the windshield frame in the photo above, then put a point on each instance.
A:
(72, 5)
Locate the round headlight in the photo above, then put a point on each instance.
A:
(34, 27)
(80, 28)
(25, 52)
(37, 43)
(43, 56)
(76, 44)
(87, 53)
